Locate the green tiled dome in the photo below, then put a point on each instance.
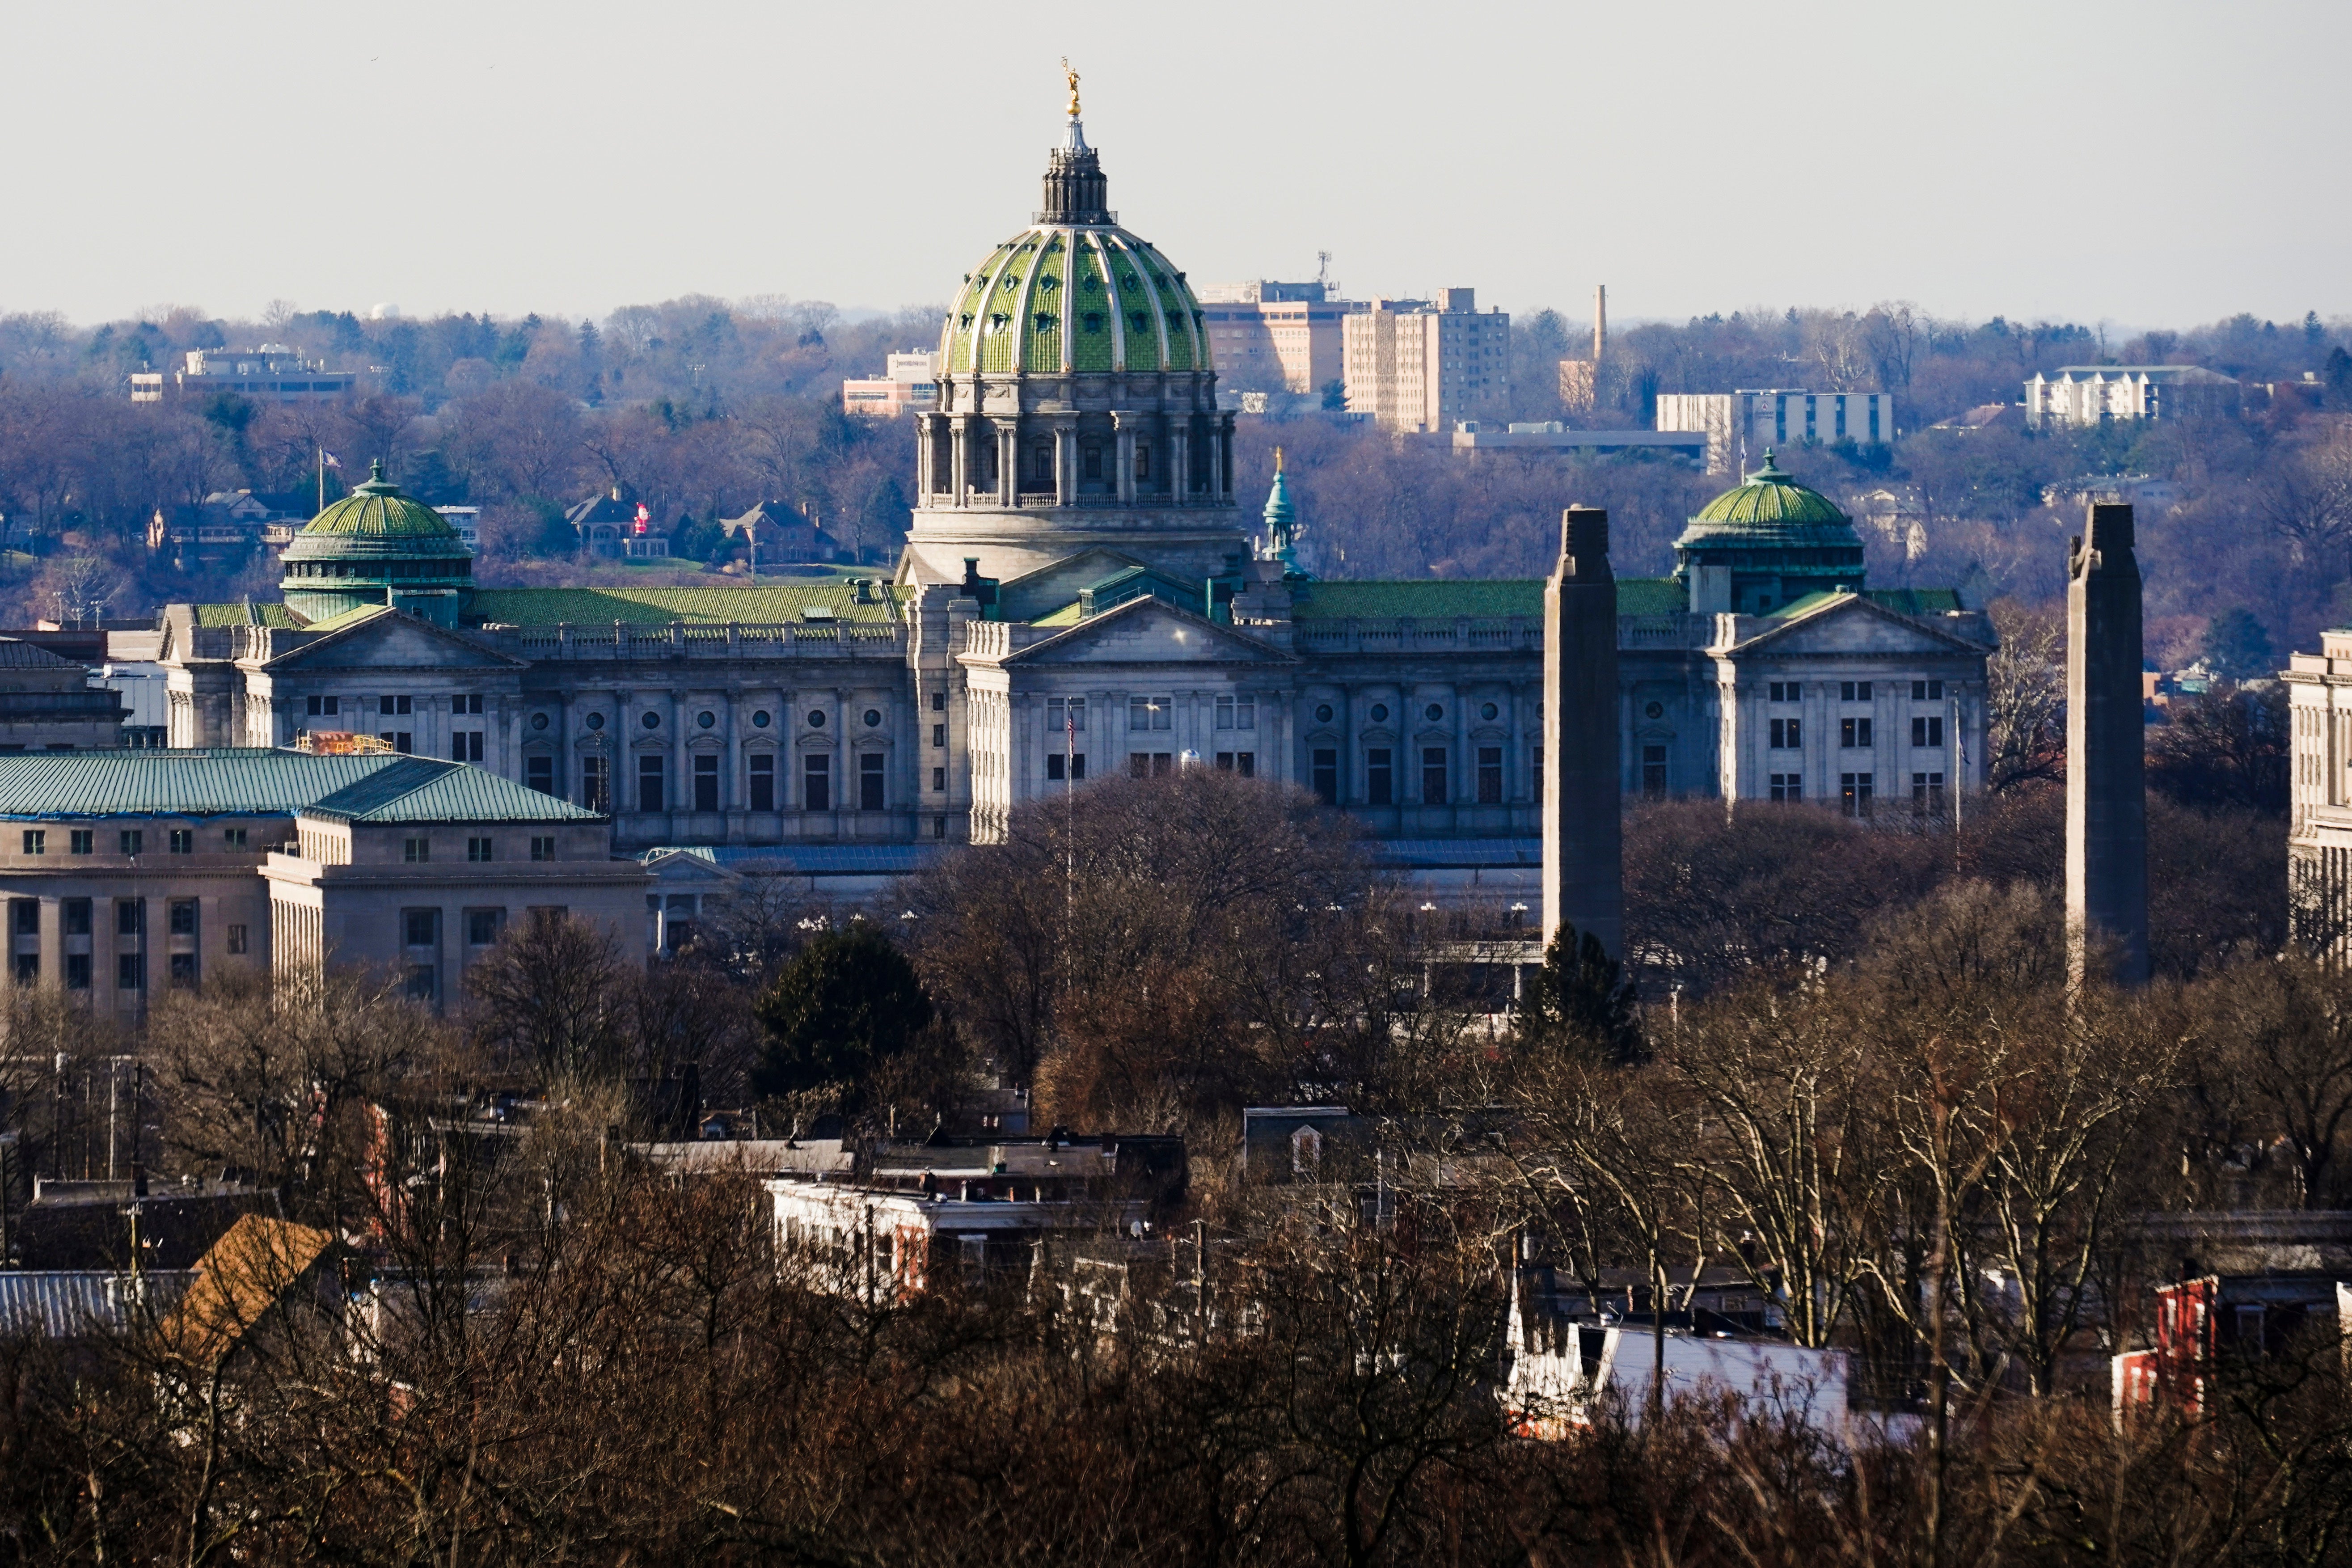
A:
(376, 516)
(1770, 509)
(1074, 291)
(376, 546)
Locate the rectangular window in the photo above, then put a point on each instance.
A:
(1380, 777)
(1854, 691)
(183, 841)
(77, 971)
(1490, 775)
(388, 706)
(236, 939)
(938, 828)
(1788, 734)
(420, 927)
(183, 916)
(869, 781)
(816, 781)
(466, 745)
(1237, 710)
(1654, 773)
(1928, 732)
(1066, 715)
(482, 926)
(1853, 734)
(653, 778)
(29, 968)
(1788, 786)
(36, 842)
(1928, 790)
(73, 914)
(419, 984)
(1055, 769)
(538, 772)
(401, 741)
(1926, 691)
(133, 841)
(939, 737)
(1784, 691)
(130, 917)
(465, 702)
(1433, 773)
(81, 841)
(706, 782)
(325, 706)
(131, 971)
(184, 971)
(24, 917)
(938, 702)
(1151, 713)
(1323, 769)
(593, 794)
(477, 850)
(1854, 793)
(542, 847)
(232, 837)
(763, 780)
(416, 851)
(939, 781)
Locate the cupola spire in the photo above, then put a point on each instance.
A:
(1075, 191)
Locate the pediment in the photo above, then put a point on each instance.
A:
(1853, 624)
(391, 641)
(1148, 631)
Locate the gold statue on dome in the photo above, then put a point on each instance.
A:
(1073, 79)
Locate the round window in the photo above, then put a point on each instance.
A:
(539, 720)
(706, 718)
(652, 720)
(1323, 713)
(1434, 712)
(760, 718)
(595, 722)
(874, 718)
(1656, 711)
(1487, 710)
(816, 718)
(1379, 712)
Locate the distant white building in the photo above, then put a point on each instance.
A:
(270, 372)
(1740, 424)
(2079, 394)
(908, 381)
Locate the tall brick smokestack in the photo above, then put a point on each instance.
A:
(2106, 776)
(1583, 841)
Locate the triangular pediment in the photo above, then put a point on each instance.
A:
(388, 639)
(1148, 631)
(1853, 624)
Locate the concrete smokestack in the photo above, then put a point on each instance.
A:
(2106, 782)
(1600, 323)
(1583, 840)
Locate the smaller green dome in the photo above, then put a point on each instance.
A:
(376, 511)
(1770, 495)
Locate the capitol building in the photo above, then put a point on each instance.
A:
(1080, 594)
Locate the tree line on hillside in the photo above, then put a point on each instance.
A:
(1898, 1120)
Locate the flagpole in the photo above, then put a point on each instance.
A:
(322, 479)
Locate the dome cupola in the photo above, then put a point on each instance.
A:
(377, 546)
(1766, 544)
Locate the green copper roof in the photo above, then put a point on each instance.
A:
(1771, 496)
(350, 617)
(246, 614)
(1086, 298)
(422, 789)
(376, 513)
(763, 605)
(257, 781)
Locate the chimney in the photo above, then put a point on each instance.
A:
(1600, 323)
(2106, 785)
(1583, 841)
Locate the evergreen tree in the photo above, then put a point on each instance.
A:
(2237, 646)
(1580, 1001)
(848, 1002)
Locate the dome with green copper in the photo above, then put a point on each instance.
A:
(377, 546)
(1074, 291)
(1778, 539)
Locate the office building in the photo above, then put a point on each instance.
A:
(1420, 366)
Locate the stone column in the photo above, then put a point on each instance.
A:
(2106, 791)
(1124, 456)
(1179, 460)
(959, 459)
(1583, 839)
(1008, 463)
(1065, 460)
(681, 767)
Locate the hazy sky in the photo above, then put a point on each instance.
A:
(2158, 162)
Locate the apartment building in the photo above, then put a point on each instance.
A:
(1266, 336)
(1420, 365)
(1741, 426)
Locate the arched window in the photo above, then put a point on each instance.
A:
(1306, 1151)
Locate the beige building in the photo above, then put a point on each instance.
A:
(129, 870)
(2319, 837)
(1419, 365)
(1277, 337)
(908, 382)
